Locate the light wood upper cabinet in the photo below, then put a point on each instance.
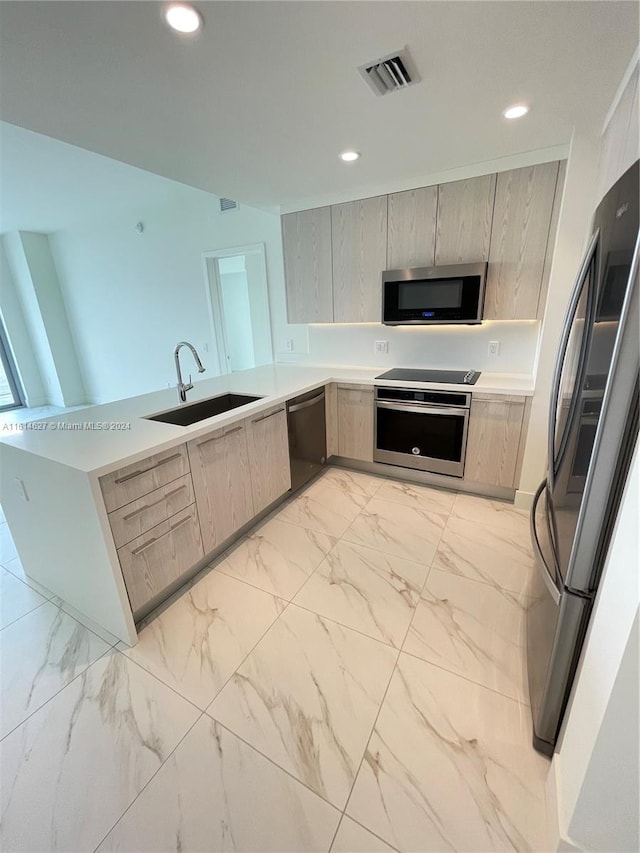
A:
(411, 228)
(519, 236)
(359, 248)
(495, 425)
(268, 445)
(355, 422)
(306, 238)
(222, 483)
(465, 210)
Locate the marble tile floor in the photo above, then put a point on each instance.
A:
(349, 677)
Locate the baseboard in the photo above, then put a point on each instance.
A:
(523, 500)
(424, 478)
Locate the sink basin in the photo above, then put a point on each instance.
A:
(191, 413)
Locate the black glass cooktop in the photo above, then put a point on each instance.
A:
(453, 377)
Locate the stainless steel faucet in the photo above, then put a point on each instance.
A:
(182, 387)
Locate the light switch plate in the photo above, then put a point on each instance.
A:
(289, 344)
(381, 346)
(494, 347)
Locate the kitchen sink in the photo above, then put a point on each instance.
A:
(193, 412)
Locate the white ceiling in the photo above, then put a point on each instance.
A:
(47, 185)
(258, 106)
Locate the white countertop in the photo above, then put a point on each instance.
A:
(98, 451)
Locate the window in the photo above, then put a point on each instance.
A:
(11, 396)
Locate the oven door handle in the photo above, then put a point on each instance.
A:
(462, 411)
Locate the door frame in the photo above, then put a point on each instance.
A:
(214, 296)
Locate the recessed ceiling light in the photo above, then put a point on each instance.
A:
(183, 18)
(516, 111)
(349, 156)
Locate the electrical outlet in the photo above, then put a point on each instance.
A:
(494, 347)
(289, 344)
(381, 346)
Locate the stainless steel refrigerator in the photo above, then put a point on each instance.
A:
(593, 429)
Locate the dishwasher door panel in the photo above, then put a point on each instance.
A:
(307, 427)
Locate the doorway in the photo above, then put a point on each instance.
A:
(238, 299)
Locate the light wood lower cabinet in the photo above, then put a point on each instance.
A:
(132, 482)
(268, 445)
(495, 427)
(355, 422)
(222, 483)
(136, 518)
(158, 558)
(331, 417)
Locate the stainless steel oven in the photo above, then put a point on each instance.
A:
(426, 430)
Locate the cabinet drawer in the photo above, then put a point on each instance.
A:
(136, 518)
(153, 561)
(130, 483)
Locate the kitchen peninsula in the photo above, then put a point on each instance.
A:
(76, 493)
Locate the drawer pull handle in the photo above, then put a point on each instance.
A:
(128, 477)
(155, 539)
(155, 503)
(264, 417)
(218, 437)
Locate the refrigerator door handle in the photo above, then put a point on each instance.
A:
(562, 351)
(549, 580)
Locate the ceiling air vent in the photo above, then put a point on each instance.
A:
(389, 74)
(227, 205)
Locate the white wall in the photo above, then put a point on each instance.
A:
(130, 297)
(44, 281)
(237, 318)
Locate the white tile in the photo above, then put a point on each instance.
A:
(496, 555)
(450, 766)
(200, 639)
(351, 481)
(41, 653)
(474, 630)
(367, 590)
(306, 697)
(15, 567)
(352, 838)
(406, 531)
(277, 557)
(72, 768)
(216, 793)
(8, 549)
(411, 494)
(89, 623)
(324, 508)
(16, 598)
(491, 513)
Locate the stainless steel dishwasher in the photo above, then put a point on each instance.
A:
(307, 425)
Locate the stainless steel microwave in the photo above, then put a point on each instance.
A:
(452, 294)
